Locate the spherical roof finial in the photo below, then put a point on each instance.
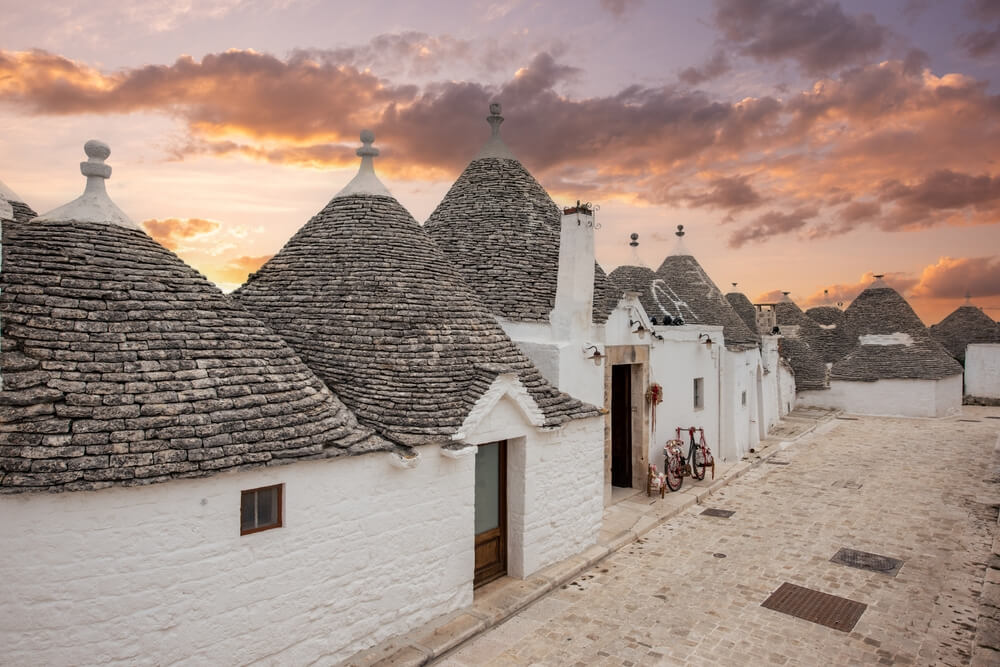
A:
(97, 150)
(635, 239)
(680, 231)
(367, 138)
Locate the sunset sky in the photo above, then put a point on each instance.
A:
(804, 144)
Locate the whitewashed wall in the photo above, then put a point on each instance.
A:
(160, 574)
(770, 382)
(555, 491)
(786, 388)
(890, 398)
(738, 420)
(982, 370)
(674, 363)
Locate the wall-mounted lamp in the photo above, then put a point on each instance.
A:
(706, 339)
(640, 329)
(596, 356)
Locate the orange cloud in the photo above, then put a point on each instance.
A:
(846, 292)
(234, 272)
(172, 231)
(954, 277)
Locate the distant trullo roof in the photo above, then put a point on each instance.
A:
(682, 288)
(123, 365)
(375, 308)
(892, 341)
(833, 340)
(798, 335)
(12, 206)
(965, 325)
(744, 308)
(634, 276)
(500, 228)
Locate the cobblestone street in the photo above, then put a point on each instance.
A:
(690, 591)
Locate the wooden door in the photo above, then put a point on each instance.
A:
(621, 425)
(491, 512)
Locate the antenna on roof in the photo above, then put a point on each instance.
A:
(680, 231)
(635, 240)
(968, 298)
(734, 285)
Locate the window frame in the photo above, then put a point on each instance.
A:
(280, 519)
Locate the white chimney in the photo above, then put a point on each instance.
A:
(573, 312)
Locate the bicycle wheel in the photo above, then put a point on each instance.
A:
(697, 462)
(673, 474)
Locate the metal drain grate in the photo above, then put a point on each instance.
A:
(777, 463)
(847, 419)
(992, 417)
(968, 420)
(722, 514)
(829, 610)
(867, 561)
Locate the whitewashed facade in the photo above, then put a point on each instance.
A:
(982, 371)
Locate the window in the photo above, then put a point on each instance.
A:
(260, 509)
(744, 399)
(699, 393)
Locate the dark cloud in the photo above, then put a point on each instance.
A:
(171, 232)
(953, 277)
(727, 193)
(815, 33)
(980, 43)
(772, 223)
(983, 10)
(713, 68)
(859, 211)
(619, 8)
(391, 54)
(941, 192)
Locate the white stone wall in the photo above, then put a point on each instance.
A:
(786, 389)
(889, 398)
(555, 485)
(738, 420)
(160, 574)
(771, 390)
(982, 370)
(674, 363)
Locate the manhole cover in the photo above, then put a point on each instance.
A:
(722, 514)
(847, 484)
(719, 555)
(867, 561)
(777, 463)
(829, 610)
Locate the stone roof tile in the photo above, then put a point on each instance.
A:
(962, 327)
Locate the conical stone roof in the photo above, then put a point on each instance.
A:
(833, 340)
(500, 228)
(808, 366)
(744, 308)
(12, 206)
(683, 289)
(879, 316)
(379, 312)
(965, 325)
(123, 365)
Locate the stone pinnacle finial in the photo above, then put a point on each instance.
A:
(93, 205)
(366, 182)
(968, 298)
(367, 138)
(494, 119)
(635, 240)
(878, 276)
(680, 231)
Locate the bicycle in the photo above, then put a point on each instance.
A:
(676, 466)
(699, 455)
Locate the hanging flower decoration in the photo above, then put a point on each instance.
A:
(654, 396)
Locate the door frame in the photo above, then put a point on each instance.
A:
(636, 356)
(494, 571)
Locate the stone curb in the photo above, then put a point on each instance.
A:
(440, 637)
(986, 646)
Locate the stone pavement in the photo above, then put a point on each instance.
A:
(689, 591)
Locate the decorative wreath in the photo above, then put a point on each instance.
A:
(654, 396)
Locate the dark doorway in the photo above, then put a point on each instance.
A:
(621, 425)
(491, 512)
